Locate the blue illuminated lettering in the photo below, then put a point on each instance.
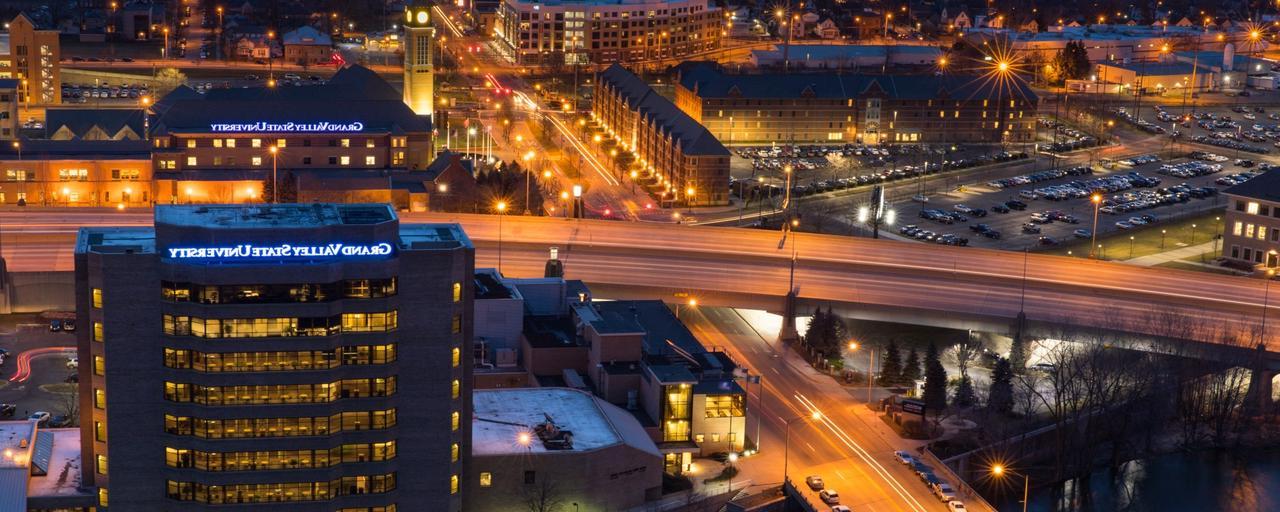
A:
(264, 127)
(282, 251)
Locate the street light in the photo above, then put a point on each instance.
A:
(275, 183)
(501, 208)
(999, 470)
(1096, 199)
(692, 302)
(786, 444)
(871, 365)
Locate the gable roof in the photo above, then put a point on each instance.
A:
(353, 94)
(710, 81)
(306, 35)
(653, 108)
(80, 122)
(1265, 187)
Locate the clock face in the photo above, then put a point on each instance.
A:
(422, 17)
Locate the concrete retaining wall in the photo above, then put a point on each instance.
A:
(33, 292)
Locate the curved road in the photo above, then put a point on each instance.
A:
(721, 262)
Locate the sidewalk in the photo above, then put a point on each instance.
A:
(1190, 251)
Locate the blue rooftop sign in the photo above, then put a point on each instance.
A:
(277, 252)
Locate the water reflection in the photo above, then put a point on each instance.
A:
(1181, 482)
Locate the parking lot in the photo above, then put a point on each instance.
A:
(35, 375)
(1047, 208)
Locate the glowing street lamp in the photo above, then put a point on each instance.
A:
(786, 444)
(1096, 199)
(501, 208)
(999, 470)
(275, 184)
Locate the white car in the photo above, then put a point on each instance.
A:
(904, 457)
(920, 198)
(944, 491)
(956, 506)
(73, 363)
(829, 496)
(40, 417)
(841, 508)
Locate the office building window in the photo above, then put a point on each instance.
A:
(486, 479)
(191, 161)
(346, 143)
(100, 431)
(457, 324)
(257, 143)
(97, 298)
(368, 143)
(102, 497)
(454, 452)
(231, 143)
(453, 484)
(457, 292)
(217, 143)
(100, 465)
(346, 160)
(1238, 228)
(97, 331)
(457, 357)
(457, 389)
(257, 161)
(191, 143)
(281, 143)
(370, 160)
(455, 421)
(99, 399)
(1252, 208)
(99, 365)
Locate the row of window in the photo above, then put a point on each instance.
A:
(280, 393)
(280, 492)
(1259, 232)
(72, 175)
(279, 459)
(1253, 208)
(305, 426)
(257, 161)
(278, 293)
(279, 361)
(180, 325)
(282, 143)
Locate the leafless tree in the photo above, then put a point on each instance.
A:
(69, 405)
(543, 496)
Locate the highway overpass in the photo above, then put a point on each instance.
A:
(942, 285)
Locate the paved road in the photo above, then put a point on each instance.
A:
(724, 264)
(848, 447)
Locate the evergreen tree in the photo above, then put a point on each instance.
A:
(911, 371)
(965, 397)
(891, 371)
(813, 333)
(1000, 396)
(935, 381)
(1018, 353)
(288, 188)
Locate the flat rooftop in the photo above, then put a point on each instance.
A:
(502, 415)
(273, 215)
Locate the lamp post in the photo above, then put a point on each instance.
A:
(271, 74)
(275, 183)
(527, 158)
(18, 146)
(1096, 199)
(871, 365)
(165, 51)
(501, 207)
(786, 443)
(217, 42)
(1130, 247)
(692, 302)
(999, 470)
(1266, 296)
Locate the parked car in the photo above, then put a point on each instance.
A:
(814, 482)
(7, 410)
(73, 363)
(55, 325)
(60, 421)
(1016, 205)
(1000, 208)
(956, 506)
(841, 508)
(40, 417)
(1082, 233)
(1047, 241)
(829, 496)
(69, 325)
(904, 457)
(1030, 228)
(944, 492)
(920, 198)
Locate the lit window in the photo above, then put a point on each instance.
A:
(102, 497)
(257, 160)
(99, 365)
(100, 431)
(486, 479)
(100, 399)
(191, 161)
(456, 421)
(1252, 209)
(191, 143)
(231, 143)
(97, 298)
(457, 292)
(97, 331)
(457, 389)
(455, 452)
(257, 143)
(368, 143)
(453, 484)
(280, 143)
(346, 143)
(346, 160)
(370, 160)
(457, 322)
(457, 357)
(217, 143)
(102, 464)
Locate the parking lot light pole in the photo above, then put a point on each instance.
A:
(1162, 233)
(1131, 247)
(1096, 199)
(786, 443)
(999, 470)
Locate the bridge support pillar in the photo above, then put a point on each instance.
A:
(1258, 397)
(788, 333)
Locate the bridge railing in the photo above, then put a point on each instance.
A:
(970, 496)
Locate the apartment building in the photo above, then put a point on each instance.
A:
(315, 357)
(1251, 223)
(30, 55)
(832, 107)
(598, 32)
(680, 161)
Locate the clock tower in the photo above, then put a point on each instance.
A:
(419, 67)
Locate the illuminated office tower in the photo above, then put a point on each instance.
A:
(315, 357)
(419, 69)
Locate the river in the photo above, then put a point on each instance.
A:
(1211, 481)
